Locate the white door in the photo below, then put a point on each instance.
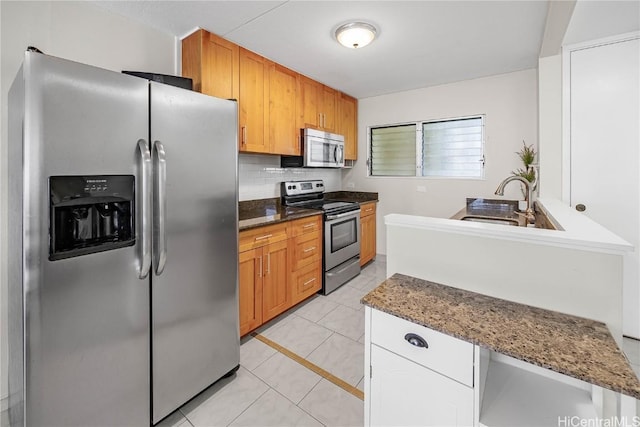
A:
(605, 155)
(404, 393)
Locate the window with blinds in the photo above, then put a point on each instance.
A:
(444, 149)
(453, 148)
(393, 151)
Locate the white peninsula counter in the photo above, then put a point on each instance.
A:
(578, 271)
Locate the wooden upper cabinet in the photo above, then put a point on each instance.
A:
(274, 102)
(212, 63)
(329, 107)
(318, 104)
(284, 135)
(253, 102)
(309, 101)
(348, 125)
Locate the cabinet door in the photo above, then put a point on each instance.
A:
(212, 63)
(328, 109)
(220, 67)
(405, 393)
(348, 124)
(250, 289)
(253, 99)
(276, 296)
(284, 136)
(309, 103)
(367, 237)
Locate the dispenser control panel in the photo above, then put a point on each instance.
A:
(90, 214)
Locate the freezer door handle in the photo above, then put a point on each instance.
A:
(145, 196)
(159, 213)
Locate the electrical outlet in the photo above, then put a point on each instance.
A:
(421, 189)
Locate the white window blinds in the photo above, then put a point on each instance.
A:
(393, 151)
(453, 148)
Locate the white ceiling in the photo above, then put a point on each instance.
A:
(599, 19)
(420, 43)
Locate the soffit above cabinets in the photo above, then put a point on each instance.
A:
(419, 44)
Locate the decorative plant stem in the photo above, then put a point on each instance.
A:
(528, 156)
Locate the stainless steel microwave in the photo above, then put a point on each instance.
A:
(319, 150)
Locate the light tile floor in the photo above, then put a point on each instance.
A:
(270, 389)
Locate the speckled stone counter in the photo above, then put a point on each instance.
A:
(574, 346)
(352, 196)
(257, 213)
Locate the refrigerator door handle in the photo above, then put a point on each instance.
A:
(145, 170)
(160, 198)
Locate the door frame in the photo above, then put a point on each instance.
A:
(632, 330)
(566, 101)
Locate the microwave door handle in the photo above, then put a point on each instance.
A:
(338, 154)
(160, 213)
(145, 208)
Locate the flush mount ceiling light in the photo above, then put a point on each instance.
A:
(355, 35)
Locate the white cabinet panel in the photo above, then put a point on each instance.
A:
(404, 393)
(445, 354)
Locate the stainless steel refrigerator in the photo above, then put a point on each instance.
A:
(123, 245)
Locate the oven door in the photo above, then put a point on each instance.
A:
(341, 238)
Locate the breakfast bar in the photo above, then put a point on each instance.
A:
(480, 348)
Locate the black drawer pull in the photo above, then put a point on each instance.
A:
(416, 340)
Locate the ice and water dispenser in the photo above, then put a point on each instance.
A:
(90, 214)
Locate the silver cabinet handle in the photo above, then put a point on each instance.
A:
(269, 263)
(160, 211)
(145, 196)
(309, 281)
(244, 135)
(312, 248)
(260, 270)
(416, 340)
(266, 236)
(313, 224)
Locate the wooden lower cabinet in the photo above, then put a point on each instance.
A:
(250, 289)
(279, 266)
(276, 295)
(367, 232)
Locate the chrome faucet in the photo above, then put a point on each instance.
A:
(529, 197)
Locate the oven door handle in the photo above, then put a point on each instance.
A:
(342, 215)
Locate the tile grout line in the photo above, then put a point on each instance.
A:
(311, 366)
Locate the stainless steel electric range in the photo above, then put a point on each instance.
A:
(341, 255)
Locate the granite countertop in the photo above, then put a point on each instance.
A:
(352, 196)
(574, 346)
(257, 213)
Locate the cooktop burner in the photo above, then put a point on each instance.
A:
(310, 194)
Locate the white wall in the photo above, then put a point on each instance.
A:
(509, 103)
(81, 32)
(550, 125)
(261, 174)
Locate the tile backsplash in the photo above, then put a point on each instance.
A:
(260, 176)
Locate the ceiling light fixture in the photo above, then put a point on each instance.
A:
(355, 35)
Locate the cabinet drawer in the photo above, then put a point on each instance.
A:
(305, 249)
(367, 209)
(445, 354)
(304, 225)
(262, 236)
(306, 281)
